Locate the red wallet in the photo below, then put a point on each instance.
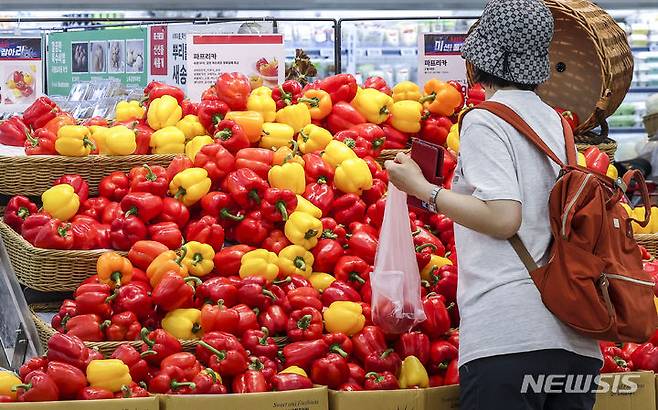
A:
(430, 159)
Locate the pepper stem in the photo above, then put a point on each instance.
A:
(144, 334)
(349, 142)
(181, 192)
(313, 101)
(339, 350)
(87, 142)
(196, 281)
(105, 324)
(183, 253)
(378, 143)
(329, 234)
(300, 263)
(126, 393)
(33, 141)
(221, 354)
(23, 212)
(386, 353)
(253, 195)
(131, 211)
(25, 386)
(177, 385)
(224, 134)
(322, 180)
(384, 110)
(425, 245)
(269, 294)
(304, 322)
(428, 97)
(196, 328)
(226, 214)
(150, 175)
(197, 258)
(116, 278)
(295, 147)
(285, 281)
(281, 207)
(111, 297)
(310, 233)
(355, 277)
(304, 136)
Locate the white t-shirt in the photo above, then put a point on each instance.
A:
(500, 307)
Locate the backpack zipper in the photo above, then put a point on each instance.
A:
(627, 279)
(572, 203)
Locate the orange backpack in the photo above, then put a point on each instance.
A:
(594, 280)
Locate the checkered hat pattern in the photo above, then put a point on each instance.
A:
(511, 41)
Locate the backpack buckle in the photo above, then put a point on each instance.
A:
(620, 183)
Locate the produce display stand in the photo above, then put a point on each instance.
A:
(140, 403)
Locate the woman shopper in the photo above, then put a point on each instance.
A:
(510, 343)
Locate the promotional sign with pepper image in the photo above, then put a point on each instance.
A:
(20, 72)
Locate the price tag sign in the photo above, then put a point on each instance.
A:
(374, 52)
(439, 56)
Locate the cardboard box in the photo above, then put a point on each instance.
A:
(644, 398)
(310, 399)
(144, 403)
(442, 398)
(438, 398)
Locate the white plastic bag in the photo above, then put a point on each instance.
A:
(396, 303)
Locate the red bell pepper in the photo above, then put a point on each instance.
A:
(234, 89)
(339, 343)
(216, 289)
(615, 360)
(209, 93)
(157, 89)
(375, 213)
(174, 292)
(131, 390)
(253, 292)
(253, 229)
(423, 236)
(111, 212)
(189, 108)
(18, 208)
(175, 211)
(93, 298)
(341, 87)
(363, 244)
(259, 343)
(386, 361)
(452, 374)
(248, 318)
(35, 363)
(123, 326)
(645, 357)
(208, 382)
(171, 380)
(373, 134)
(67, 310)
(443, 226)
(475, 95)
(142, 253)
(13, 132)
(275, 319)
(360, 146)
(41, 142)
(350, 386)
(287, 93)
(370, 340)
(414, 344)
(290, 381)
(277, 204)
(139, 368)
(125, 231)
(251, 381)
(357, 373)
(343, 116)
(352, 270)
(223, 353)
(571, 117)
(442, 353)
(275, 241)
(381, 381)
(215, 159)
(305, 324)
(167, 233)
(317, 169)
(43, 231)
(206, 230)
(378, 83)
(94, 207)
(37, 386)
(227, 261)
(303, 354)
(444, 282)
(339, 290)
(94, 393)
(304, 297)
(160, 342)
(333, 230)
(80, 186)
(327, 253)
(331, 371)
(597, 160)
(293, 282)
(437, 323)
(114, 186)
(435, 128)
(258, 160)
(246, 187)
(394, 139)
(40, 112)
(143, 134)
(59, 121)
(68, 349)
(144, 205)
(231, 136)
(222, 206)
(348, 208)
(87, 327)
(320, 195)
(149, 179)
(211, 113)
(69, 379)
(218, 317)
(180, 163)
(185, 361)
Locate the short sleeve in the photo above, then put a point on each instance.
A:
(487, 163)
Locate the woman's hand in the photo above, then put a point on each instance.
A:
(407, 176)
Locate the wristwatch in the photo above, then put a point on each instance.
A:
(431, 204)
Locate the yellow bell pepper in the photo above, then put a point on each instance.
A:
(7, 381)
(303, 229)
(612, 172)
(344, 317)
(406, 90)
(307, 207)
(250, 121)
(110, 374)
(627, 208)
(321, 281)
(98, 134)
(290, 176)
(452, 140)
(163, 112)
(353, 176)
(297, 116)
(413, 374)
(296, 260)
(168, 140)
(580, 159)
(129, 110)
(190, 185)
(435, 263)
(119, 140)
(262, 90)
(263, 104)
(194, 146)
(406, 116)
(373, 104)
(183, 324)
(191, 127)
(259, 262)
(652, 226)
(61, 202)
(198, 258)
(313, 138)
(295, 370)
(655, 302)
(336, 152)
(74, 141)
(275, 135)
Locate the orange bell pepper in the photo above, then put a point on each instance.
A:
(318, 102)
(286, 154)
(250, 121)
(164, 263)
(59, 121)
(441, 98)
(113, 269)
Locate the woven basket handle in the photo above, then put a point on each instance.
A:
(599, 116)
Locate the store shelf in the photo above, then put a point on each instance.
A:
(638, 130)
(386, 51)
(643, 90)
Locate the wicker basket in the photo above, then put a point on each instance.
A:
(48, 270)
(390, 154)
(591, 64)
(31, 175)
(649, 241)
(651, 124)
(609, 146)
